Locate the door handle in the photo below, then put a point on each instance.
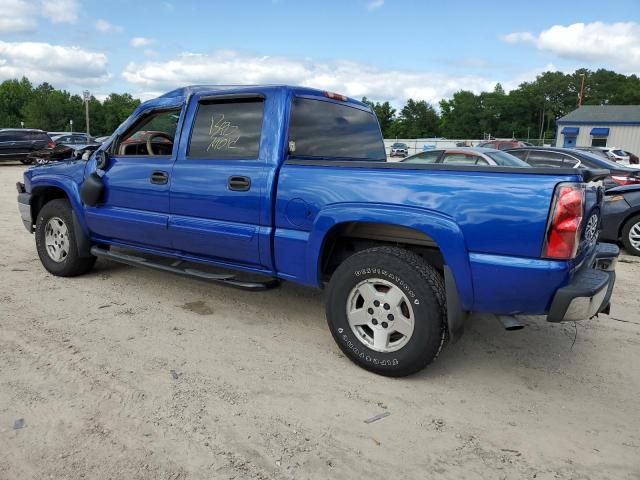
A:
(159, 178)
(239, 184)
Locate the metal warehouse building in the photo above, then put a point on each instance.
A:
(601, 126)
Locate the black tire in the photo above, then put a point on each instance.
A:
(26, 161)
(626, 230)
(72, 264)
(418, 281)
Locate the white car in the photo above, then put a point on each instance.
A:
(617, 154)
(77, 141)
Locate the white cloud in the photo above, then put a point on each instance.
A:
(603, 44)
(16, 16)
(59, 65)
(61, 11)
(21, 16)
(374, 4)
(353, 79)
(139, 42)
(106, 27)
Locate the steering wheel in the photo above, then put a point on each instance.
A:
(154, 135)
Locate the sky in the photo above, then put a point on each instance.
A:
(382, 49)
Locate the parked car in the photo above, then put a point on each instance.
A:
(54, 153)
(101, 140)
(617, 154)
(19, 143)
(467, 156)
(597, 151)
(502, 144)
(399, 150)
(571, 157)
(621, 217)
(293, 183)
(77, 141)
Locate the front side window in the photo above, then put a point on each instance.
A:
(227, 130)
(153, 135)
(321, 129)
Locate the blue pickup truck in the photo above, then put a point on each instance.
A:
(288, 183)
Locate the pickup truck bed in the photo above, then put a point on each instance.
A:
(293, 183)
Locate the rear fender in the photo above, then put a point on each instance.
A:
(442, 229)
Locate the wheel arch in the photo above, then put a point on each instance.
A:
(45, 191)
(410, 227)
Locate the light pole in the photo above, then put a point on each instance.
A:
(71, 125)
(21, 124)
(87, 96)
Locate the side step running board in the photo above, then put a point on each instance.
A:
(224, 278)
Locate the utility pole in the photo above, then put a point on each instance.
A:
(580, 95)
(87, 96)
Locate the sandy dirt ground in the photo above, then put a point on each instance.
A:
(127, 373)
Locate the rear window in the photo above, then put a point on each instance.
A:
(227, 130)
(329, 130)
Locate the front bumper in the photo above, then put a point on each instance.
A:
(24, 206)
(589, 292)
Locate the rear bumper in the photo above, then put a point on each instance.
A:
(24, 206)
(589, 291)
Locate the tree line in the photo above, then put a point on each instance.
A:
(46, 108)
(527, 112)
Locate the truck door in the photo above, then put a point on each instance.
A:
(135, 207)
(219, 180)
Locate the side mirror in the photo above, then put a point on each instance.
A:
(102, 159)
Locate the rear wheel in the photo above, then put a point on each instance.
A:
(26, 161)
(386, 310)
(631, 235)
(56, 241)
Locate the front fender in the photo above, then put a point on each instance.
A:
(441, 228)
(71, 189)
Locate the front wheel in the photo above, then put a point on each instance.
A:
(56, 241)
(386, 310)
(631, 235)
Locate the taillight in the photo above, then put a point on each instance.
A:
(335, 96)
(625, 179)
(51, 144)
(563, 231)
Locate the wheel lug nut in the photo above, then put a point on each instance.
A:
(370, 310)
(390, 317)
(374, 321)
(386, 306)
(384, 324)
(376, 303)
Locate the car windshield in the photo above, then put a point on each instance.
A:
(399, 145)
(505, 159)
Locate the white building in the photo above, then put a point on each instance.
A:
(601, 126)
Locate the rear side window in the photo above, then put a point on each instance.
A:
(424, 157)
(461, 159)
(227, 130)
(323, 129)
(39, 136)
(6, 136)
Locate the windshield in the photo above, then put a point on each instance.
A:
(506, 160)
(399, 145)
